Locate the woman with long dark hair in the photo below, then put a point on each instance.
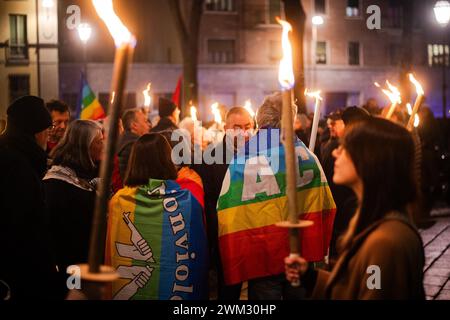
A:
(381, 254)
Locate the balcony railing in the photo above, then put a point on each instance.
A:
(16, 54)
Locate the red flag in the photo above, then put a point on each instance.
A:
(176, 98)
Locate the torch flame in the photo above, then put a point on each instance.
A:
(248, 107)
(393, 93)
(416, 120)
(314, 94)
(409, 108)
(118, 30)
(416, 83)
(396, 95)
(216, 113)
(286, 71)
(147, 97)
(194, 113)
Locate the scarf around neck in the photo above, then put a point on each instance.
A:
(69, 176)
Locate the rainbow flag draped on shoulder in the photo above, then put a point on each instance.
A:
(157, 241)
(89, 108)
(253, 200)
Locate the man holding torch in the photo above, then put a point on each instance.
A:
(254, 200)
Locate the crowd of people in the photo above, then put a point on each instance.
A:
(359, 187)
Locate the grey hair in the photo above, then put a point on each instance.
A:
(129, 117)
(269, 113)
(73, 150)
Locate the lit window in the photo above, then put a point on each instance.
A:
(438, 54)
(352, 9)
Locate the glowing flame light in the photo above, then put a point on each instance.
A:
(248, 107)
(194, 113)
(409, 108)
(147, 96)
(118, 30)
(393, 94)
(394, 90)
(419, 88)
(286, 71)
(314, 94)
(216, 112)
(416, 120)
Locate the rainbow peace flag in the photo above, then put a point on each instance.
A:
(157, 241)
(253, 200)
(89, 108)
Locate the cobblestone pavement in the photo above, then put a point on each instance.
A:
(436, 241)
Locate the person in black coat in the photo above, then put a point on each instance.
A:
(70, 191)
(169, 115)
(237, 120)
(27, 268)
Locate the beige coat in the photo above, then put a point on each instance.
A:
(391, 244)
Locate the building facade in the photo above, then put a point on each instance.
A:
(28, 50)
(239, 51)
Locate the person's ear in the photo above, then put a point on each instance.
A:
(133, 125)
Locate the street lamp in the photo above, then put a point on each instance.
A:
(84, 32)
(442, 13)
(316, 21)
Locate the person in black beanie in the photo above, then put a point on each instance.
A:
(169, 114)
(27, 270)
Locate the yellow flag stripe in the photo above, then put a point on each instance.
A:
(89, 112)
(266, 213)
(122, 202)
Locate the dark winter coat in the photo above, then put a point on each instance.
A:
(212, 176)
(27, 264)
(165, 124)
(126, 143)
(70, 208)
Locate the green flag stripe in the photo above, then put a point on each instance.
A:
(88, 99)
(234, 196)
(152, 233)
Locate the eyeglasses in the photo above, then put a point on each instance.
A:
(60, 122)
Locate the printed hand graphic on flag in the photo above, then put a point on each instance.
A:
(140, 250)
(140, 277)
(127, 272)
